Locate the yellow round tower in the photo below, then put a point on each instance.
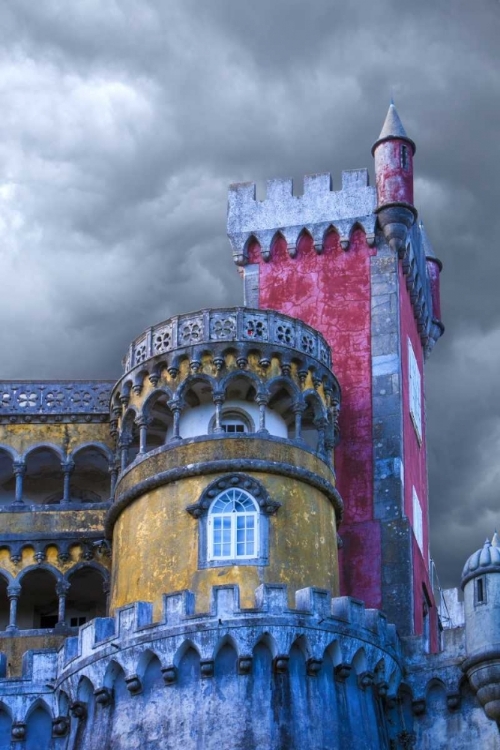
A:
(226, 422)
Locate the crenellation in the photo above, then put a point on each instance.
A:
(314, 600)
(39, 666)
(225, 601)
(133, 617)
(177, 606)
(349, 609)
(354, 179)
(317, 210)
(271, 598)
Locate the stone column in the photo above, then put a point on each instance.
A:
(19, 468)
(176, 409)
(62, 588)
(68, 468)
(124, 445)
(218, 401)
(142, 424)
(113, 471)
(321, 425)
(262, 400)
(13, 592)
(298, 410)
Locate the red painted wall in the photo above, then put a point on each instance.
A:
(393, 182)
(415, 463)
(434, 271)
(331, 292)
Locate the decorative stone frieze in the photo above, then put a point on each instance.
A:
(61, 401)
(224, 326)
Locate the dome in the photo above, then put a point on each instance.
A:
(484, 560)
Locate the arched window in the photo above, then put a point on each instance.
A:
(234, 422)
(233, 522)
(233, 526)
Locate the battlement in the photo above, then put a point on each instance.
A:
(314, 611)
(317, 210)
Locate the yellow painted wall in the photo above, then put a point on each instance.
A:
(15, 648)
(155, 540)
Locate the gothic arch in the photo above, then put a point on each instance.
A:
(185, 646)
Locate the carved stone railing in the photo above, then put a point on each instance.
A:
(231, 324)
(60, 401)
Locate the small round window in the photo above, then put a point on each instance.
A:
(233, 526)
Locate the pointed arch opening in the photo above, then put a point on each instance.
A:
(86, 597)
(129, 441)
(189, 667)
(283, 401)
(44, 480)
(38, 727)
(196, 396)
(159, 419)
(38, 602)
(90, 479)
(313, 415)
(5, 727)
(305, 245)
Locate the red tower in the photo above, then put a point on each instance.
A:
(355, 265)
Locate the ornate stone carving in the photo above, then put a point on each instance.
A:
(18, 731)
(267, 505)
(281, 663)
(207, 668)
(169, 675)
(227, 325)
(162, 341)
(103, 696)
(244, 664)
(78, 709)
(60, 726)
(313, 666)
(63, 399)
(223, 328)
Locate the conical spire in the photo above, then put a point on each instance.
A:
(393, 129)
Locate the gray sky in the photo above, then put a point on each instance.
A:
(123, 123)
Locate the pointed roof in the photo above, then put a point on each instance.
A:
(393, 129)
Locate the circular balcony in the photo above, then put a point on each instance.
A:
(225, 373)
(262, 327)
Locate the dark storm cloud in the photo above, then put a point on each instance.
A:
(123, 123)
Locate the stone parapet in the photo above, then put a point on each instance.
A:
(206, 327)
(55, 401)
(316, 211)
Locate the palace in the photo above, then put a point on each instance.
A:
(228, 548)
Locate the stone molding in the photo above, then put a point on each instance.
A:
(248, 483)
(216, 466)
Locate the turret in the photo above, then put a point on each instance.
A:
(393, 152)
(481, 585)
(226, 423)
